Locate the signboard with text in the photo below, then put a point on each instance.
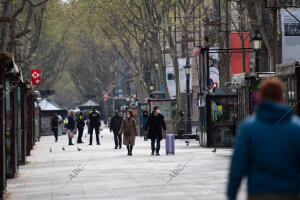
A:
(36, 77)
(282, 3)
(290, 35)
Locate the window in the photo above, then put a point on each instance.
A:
(171, 77)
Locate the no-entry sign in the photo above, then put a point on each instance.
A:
(36, 77)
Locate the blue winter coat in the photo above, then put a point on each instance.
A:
(268, 152)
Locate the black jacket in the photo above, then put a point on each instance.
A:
(94, 117)
(71, 123)
(154, 126)
(115, 123)
(54, 123)
(80, 122)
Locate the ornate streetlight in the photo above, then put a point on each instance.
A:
(257, 42)
(187, 69)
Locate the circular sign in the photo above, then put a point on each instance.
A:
(220, 107)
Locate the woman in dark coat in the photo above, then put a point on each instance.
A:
(128, 129)
(154, 127)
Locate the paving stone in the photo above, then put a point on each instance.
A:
(102, 172)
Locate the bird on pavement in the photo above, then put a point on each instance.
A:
(50, 150)
(215, 150)
(63, 148)
(79, 149)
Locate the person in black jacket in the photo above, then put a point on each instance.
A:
(154, 127)
(80, 126)
(71, 126)
(54, 126)
(115, 126)
(94, 117)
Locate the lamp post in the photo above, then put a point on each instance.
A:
(187, 69)
(257, 41)
(151, 87)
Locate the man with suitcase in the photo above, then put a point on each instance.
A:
(154, 127)
(94, 117)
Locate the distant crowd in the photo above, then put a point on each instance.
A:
(124, 130)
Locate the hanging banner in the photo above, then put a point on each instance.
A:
(237, 56)
(290, 35)
(36, 77)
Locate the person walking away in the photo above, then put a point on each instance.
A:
(115, 126)
(80, 127)
(128, 129)
(267, 149)
(71, 127)
(144, 123)
(94, 117)
(54, 125)
(154, 127)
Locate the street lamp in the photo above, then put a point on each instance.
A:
(156, 66)
(151, 87)
(257, 42)
(187, 69)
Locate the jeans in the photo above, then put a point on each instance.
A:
(118, 139)
(55, 131)
(157, 145)
(80, 133)
(97, 134)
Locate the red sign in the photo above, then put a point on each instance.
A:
(237, 55)
(36, 77)
(105, 96)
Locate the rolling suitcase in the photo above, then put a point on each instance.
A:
(170, 144)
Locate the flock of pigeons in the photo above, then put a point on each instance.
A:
(63, 148)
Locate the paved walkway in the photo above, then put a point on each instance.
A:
(101, 172)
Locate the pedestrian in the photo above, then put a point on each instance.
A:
(128, 129)
(88, 124)
(154, 127)
(80, 127)
(145, 117)
(54, 125)
(115, 126)
(267, 149)
(71, 127)
(95, 123)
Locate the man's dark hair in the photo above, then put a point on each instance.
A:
(155, 108)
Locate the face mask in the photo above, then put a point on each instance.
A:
(158, 111)
(128, 116)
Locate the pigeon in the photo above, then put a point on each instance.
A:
(50, 150)
(215, 150)
(63, 148)
(79, 149)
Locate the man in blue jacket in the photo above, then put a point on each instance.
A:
(267, 150)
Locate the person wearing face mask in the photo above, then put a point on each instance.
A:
(144, 122)
(154, 127)
(129, 130)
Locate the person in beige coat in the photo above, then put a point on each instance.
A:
(128, 129)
